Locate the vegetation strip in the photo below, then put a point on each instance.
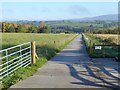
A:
(108, 48)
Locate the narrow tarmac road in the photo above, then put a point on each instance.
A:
(72, 68)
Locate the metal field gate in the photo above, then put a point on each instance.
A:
(14, 58)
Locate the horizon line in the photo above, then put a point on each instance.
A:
(56, 19)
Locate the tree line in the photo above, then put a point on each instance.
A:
(24, 28)
(66, 27)
(107, 31)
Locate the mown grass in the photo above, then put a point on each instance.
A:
(53, 43)
(105, 52)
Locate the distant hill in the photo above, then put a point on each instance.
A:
(113, 17)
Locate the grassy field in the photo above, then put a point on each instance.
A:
(97, 39)
(74, 24)
(113, 38)
(53, 43)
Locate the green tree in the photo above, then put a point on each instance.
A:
(10, 29)
(46, 29)
(105, 26)
(19, 29)
(43, 28)
(22, 29)
(32, 29)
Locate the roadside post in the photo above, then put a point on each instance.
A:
(34, 55)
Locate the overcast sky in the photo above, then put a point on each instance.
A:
(55, 10)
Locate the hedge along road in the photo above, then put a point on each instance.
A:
(72, 68)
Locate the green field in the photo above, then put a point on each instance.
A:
(106, 51)
(51, 42)
(73, 24)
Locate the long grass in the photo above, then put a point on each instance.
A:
(113, 38)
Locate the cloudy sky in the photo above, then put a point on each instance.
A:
(55, 10)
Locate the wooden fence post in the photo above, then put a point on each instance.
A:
(116, 42)
(33, 52)
(46, 52)
(90, 47)
(54, 44)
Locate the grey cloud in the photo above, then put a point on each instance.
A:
(77, 10)
(42, 9)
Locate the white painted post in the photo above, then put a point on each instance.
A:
(7, 60)
(21, 55)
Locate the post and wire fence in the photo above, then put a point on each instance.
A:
(16, 57)
(101, 49)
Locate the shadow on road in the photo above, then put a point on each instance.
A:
(84, 81)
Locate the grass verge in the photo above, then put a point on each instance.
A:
(106, 51)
